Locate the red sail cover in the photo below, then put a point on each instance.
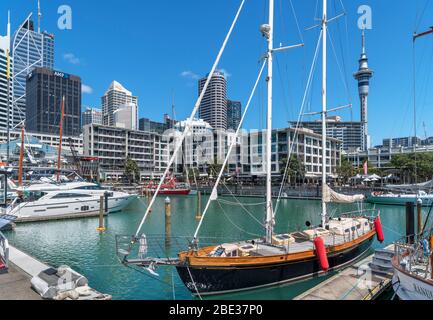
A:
(321, 253)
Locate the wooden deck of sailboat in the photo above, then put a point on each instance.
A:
(300, 242)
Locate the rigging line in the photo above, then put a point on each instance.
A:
(420, 16)
(297, 22)
(191, 119)
(193, 282)
(339, 67)
(300, 117)
(245, 204)
(283, 88)
(244, 208)
(343, 55)
(234, 224)
(234, 142)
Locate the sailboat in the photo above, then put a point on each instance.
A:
(274, 259)
(413, 260)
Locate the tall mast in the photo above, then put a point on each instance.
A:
(8, 78)
(60, 140)
(20, 173)
(324, 107)
(269, 205)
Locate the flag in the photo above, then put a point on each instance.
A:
(366, 168)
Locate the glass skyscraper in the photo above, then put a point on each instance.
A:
(234, 114)
(30, 50)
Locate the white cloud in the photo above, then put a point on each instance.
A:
(190, 75)
(226, 73)
(71, 58)
(86, 89)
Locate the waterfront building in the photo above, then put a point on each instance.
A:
(363, 76)
(5, 90)
(307, 146)
(234, 114)
(112, 146)
(114, 97)
(45, 89)
(148, 125)
(350, 133)
(91, 116)
(381, 156)
(404, 142)
(213, 108)
(126, 116)
(51, 140)
(30, 49)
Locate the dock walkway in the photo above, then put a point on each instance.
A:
(366, 280)
(16, 285)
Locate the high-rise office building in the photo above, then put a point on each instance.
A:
(126, 116)
(45, 89)
(91, 116)
(30, 49)
(213, 108)
(5, 90)
(115, 97)
(363, 76)
(234, 114)
(350, 133)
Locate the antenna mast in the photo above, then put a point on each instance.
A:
(39, 16)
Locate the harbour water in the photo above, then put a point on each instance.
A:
(77, 244)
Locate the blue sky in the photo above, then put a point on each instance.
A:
(157, 48)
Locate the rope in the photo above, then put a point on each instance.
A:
(300, 117)
(234, 224)
(215, 189)
(245, 209)
(193, 282)
(191, 118)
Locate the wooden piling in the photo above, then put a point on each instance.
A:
(419, 218)
(199, 212)
(167, 221)
(101, 214)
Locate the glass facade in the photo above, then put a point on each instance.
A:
(30, 50)
(45, 89)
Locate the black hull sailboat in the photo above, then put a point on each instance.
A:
(207, 280)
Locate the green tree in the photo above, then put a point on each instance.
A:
(132, 171)
(414, 167)
(346, 170)
(215, 168)
(296, 168)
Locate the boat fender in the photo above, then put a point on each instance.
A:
(379, 230)
(321, 253)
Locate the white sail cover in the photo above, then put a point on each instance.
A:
(332, 196)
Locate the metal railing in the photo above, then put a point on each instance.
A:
(4, 250)
(414, 253)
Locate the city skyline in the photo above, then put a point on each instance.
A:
(160, 72)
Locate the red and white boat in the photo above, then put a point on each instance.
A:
(169, 188)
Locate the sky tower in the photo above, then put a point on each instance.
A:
(363, 76)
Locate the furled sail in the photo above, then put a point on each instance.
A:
(332, 196)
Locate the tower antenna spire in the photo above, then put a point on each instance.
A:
(39, 16)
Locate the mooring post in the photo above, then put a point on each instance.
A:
(410, 222)
(101, 215)
(167, 221)
(419, 211)
(198, 215)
